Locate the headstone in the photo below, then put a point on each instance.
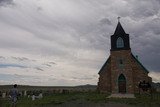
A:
(33, 97)
(25, 93)
(60, 91)
(3, 95)
(40, 95)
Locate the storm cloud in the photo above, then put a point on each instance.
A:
(6, 2)
(68, 41)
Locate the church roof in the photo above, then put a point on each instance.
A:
(109, 59)
(104, 65)
(140, 64)
(119, 30)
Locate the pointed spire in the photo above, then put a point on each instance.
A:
(119, 29)
(118, 19)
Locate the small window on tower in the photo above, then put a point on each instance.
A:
(120, 63)
(120, 43)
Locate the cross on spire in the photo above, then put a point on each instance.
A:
(118, 19)
(119, 28)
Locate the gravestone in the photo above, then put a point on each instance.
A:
(25, 93)
(40, 95)
(33, 97)
(3, 95)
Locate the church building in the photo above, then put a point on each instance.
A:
(122, 72)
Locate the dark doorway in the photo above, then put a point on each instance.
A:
(122, 84)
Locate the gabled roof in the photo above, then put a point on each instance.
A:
(119, 29)
(105, 64)
(140, 64)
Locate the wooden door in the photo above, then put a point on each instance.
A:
(122, 84)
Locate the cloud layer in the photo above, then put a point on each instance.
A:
(52, 42)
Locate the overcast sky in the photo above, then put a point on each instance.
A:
(66, 42)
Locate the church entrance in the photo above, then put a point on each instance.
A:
(122, 84)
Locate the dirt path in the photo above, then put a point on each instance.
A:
(75, 104)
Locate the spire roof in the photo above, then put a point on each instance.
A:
(119, 29)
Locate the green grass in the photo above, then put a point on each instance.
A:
(55, 99)
(93, 97)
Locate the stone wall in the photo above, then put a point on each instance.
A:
(104, 84)
(125, 69)
(139, 75)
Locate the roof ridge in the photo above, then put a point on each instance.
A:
(104, 65)
(139, 63)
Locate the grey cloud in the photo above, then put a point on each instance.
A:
(20, 58)
(12, 65)
(6, 2)
(82, 78)
(40, 69)
(39, 8)
(105, 21)
(2, 57)
(60, 27)
(17, 75)
(158, 1)
(52, 63)
(148, 51)
(154, 26)
(144, 8)
(48, 65)
(22, 62)
(145, 43)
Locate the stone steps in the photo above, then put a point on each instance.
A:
(121, 96)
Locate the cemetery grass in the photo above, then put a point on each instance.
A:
(79, 97)
(55, 99)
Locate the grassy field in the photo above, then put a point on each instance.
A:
(89, 97)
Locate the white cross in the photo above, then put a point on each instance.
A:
(118, 19)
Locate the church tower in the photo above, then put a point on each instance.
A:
(122, 71)
(120, 40)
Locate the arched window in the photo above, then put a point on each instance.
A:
(121, 78)
(120, 43)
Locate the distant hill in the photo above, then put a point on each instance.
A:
(27, 87)
(87, 86)
(156, 85)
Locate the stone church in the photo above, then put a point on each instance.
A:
(122, 72)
